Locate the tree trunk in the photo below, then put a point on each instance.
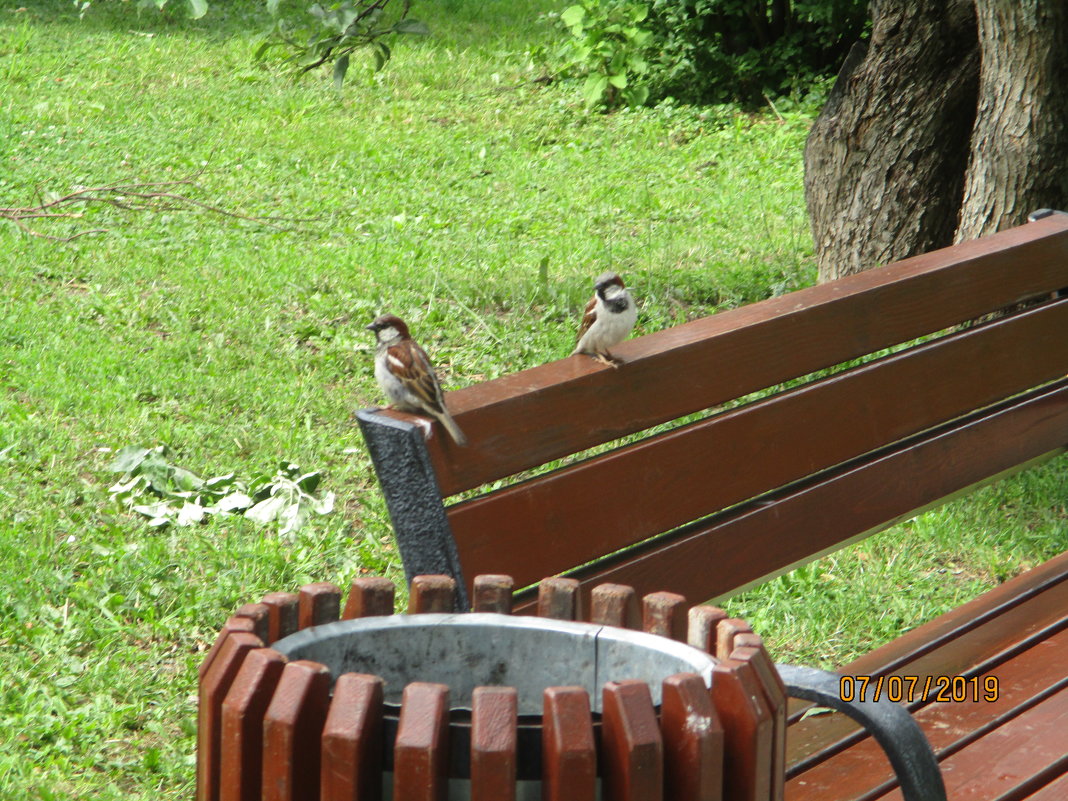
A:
(884, 163)
(1019, 148)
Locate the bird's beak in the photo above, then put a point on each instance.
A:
(370, 327)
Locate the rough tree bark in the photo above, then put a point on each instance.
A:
(913, 150)
(1019, 147)
(884, 162)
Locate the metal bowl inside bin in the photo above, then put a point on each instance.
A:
(465, 651)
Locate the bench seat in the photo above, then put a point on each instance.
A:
(989, 748)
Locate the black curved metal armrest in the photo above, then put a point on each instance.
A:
(889, 723)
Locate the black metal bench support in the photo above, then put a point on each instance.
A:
(402, 463)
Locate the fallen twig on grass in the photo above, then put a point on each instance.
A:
(153, 196)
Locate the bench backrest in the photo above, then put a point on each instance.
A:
(968, 352)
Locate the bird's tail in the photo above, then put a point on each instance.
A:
(450, 425)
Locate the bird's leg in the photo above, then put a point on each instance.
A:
(424, 424)
(609, 359)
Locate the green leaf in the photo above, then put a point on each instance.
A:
(573, 16)
(128, 459)
(266, 511)
(341, 66)
(272, 6)
(233, 502)
(197, 8)
(594, 87)
(636, 95)
(309, 481)
(618, 80)
(412, 26)
(190, 513)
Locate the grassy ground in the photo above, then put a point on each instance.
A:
(448, 189)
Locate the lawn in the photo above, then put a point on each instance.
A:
(450, 189)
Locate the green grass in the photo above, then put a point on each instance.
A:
(437, 189)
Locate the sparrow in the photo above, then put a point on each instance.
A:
(609, 318)
(407, 377)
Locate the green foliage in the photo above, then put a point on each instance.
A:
(608, 48)
(178, 496)
(336, 32)
(705, 51)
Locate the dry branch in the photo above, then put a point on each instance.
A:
(154, 196)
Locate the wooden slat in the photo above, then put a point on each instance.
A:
(432, 594)
(319, 603)
(615, 605)
(283, 617)
(569, 757)
(1020, 682)
(733, 550)
(241, 756)
(632, 746)
(1056, 790)
(664, 613)
(693, 740)
(748, 728)
(534, 416)
(493, 743)
(352, 741)
(750, 649)
(1012, 760)
(703, 625)
(421, 753)
(492, 594)
(558, 599)
(233, 646)
(371, 596)
(672, 479)
(1000, 621)
(292, 728)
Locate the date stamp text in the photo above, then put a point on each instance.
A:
(907, 689)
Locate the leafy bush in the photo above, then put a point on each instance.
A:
(336, 32)
(608, 47)
(706, 51)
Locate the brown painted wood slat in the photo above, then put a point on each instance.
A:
(223, 663)
(665, 613)
(421, 752)
(493, 743)
(632, 747)
(693, 740)
(569, 757)
(672, 479)
(371, 596)
(492, 593)
(1011, 761)
(750, 649)
(1056, 790)
(956, 643)
(292, 727)
(432, 594)
(615, 605)
(537, 415)
(1021, 682)
(319, 603)
(352, 741)
(739, 548)
(283, 617)
(748, 729)
(241, 760)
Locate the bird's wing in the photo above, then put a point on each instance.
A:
(589, 317)
(412, 367)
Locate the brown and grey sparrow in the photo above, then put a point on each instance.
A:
(610, 315)
(407, 377)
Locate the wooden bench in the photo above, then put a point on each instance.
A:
(973, 387)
